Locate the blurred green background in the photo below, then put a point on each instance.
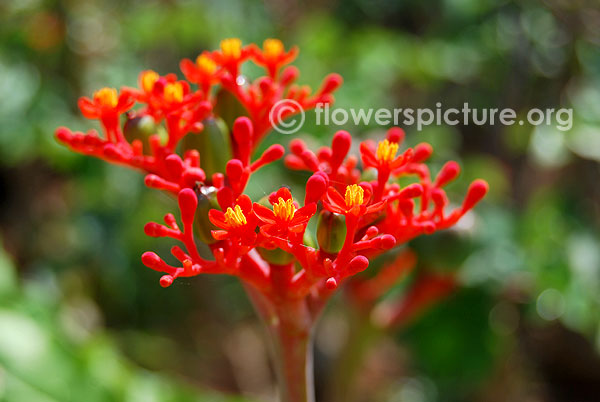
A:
(82, 320)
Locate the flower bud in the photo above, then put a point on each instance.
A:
(139, 128)
(331, 231)
(207, 200)
(228, 107)
(275, 256)
(213, 143)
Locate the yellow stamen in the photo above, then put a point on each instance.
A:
(284, 210)
(149, 78)
(173, 92)
(106, 97)
(354, 195)
(206, 64)
(386, 151)
(235, 217)
(231, 48)
(272, 48)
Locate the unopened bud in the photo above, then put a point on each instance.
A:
(139, 128)
(275, 256)
(331, 231)
(213, 143)
(207, 200)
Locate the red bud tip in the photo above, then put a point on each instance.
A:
(340, 145)
(422, 152)
(153, 229)
(448, 173)
(166, 281)
(297, 146)
(331, 284)
(477, 190)
(243, 131)
(387, 241)
(234, 169)
(315, 188)
(273, 153)
(411, 191)
(310, 159)
(192, 176)
(358, 264)
(174, 164)
(372, 231)
(63, 134)
(331, 83)
(187, 204)
(429, 227)
(439, 197)
(395, 134)
(151, 259)
(289, 75)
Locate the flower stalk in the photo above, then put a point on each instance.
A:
(288, 274)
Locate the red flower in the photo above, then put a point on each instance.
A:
(203, 72)
(273, 55)
(106, 103)
(384, 157)
(163, 95)
(231, 54)
(237, 222)
(354, 202)
(285, 215)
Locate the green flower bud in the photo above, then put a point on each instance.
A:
(228, 107)
(331, 231)
(207, 200)
(213, 143)
(139, 128)
(276, 256)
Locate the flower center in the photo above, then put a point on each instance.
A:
(235, 217)
(386, 151)
(149, 78)
(354, 195)
(173, 92)
(106, 97)
(284, 209)
(272, 48)
(231, 48)
(206, 64)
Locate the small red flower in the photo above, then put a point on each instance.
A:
(273, 55)
(285, 215)
(231, 54)
(237, 222)
(204, 72)
(384, 156)
(163, 95)
(354, 202)
(106, 102)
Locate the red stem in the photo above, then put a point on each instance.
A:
(290, 324)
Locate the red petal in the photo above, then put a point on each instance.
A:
(303, 214)
(264, 214)
(219, 234)
(88, 109)
(333, 208)
(217, 218)
(335, 198)
(245, 203)
(376, 207)
(367, 155)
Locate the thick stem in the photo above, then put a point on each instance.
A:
(289, 325)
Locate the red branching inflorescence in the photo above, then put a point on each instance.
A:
(266, 245)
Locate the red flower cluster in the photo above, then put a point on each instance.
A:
(178, 134)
